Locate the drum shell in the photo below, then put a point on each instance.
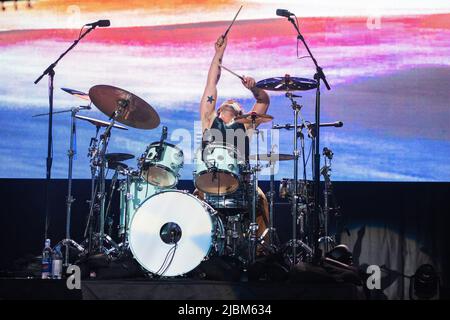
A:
(163, 171)
(130, 200)
(218, 171)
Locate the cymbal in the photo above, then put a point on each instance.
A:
(247, 118)
(77, 93)
(100, 123)
(273, 157)
(117, 157)
(114, 165)
(136, 113)
(287, 83)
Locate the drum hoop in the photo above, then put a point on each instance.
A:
(212, 213)
(204, 204)
(219, 171)
(165, 169)
(223, 145)
(153, 144)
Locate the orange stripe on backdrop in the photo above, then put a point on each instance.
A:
(90, 6)
(257, 32)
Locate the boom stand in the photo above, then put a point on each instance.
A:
(319, 75)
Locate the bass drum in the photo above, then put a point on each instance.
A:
(133, 192)
(172, 232)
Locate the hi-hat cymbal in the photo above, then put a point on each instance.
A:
(248, 118)
(100, 123)
(117, 157)
(77, 93)
(287, 83)
(273, 157)
(136, 112)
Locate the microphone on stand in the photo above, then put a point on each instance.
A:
(99, 23)
(284, 13)
(159, 148)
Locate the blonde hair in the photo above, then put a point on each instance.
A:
(233, 104)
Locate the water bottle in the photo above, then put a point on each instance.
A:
(47, 260)
(57, 262)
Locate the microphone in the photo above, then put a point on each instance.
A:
(99, 23)
(284, 13)
(328, 153)
(160, 148)
(164, 133)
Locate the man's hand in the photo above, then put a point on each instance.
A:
(249, 82)
(221, 44)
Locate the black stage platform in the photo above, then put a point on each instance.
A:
(178, 289)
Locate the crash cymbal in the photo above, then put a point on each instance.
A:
(136, 112)
(273, 157)
(77, 93)
(117, 157)
(115, 165)
(287, 83)
(100, 123)
(249, 117)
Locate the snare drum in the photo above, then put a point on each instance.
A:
(217, 169)
(235, 203)
(160, 164)
(172, 232)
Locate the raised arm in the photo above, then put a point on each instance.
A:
(262, 98)
(209, 98)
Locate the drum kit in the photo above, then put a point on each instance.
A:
(169, 232)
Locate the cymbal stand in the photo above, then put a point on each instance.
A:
(253, 225)
(69, 200)
(104, 140)
(272, 231)
(92, 154)
(296, 107)
(329, 242)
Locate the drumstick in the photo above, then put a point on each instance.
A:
(232, 72)
(232, 22)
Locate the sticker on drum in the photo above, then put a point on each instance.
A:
(194, 226)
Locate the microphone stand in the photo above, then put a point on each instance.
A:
(50, 71)
(318, 76)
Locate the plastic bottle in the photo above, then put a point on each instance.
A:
(47, 260)
(57, 262)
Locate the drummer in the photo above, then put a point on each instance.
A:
(222, 119)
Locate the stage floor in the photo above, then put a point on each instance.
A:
(174, 289)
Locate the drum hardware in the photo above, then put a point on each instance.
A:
(318, 77)
(100, 123)
(124, 107)
(76, 93)
(329, 242)
(253, 228)
(159, 148)
(50, 72)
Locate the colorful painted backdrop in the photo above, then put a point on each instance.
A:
(388, 64)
